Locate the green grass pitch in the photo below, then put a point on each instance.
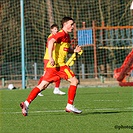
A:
(105, 110)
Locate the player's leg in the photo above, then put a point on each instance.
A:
(33, 94)
(47, 79)
(67, 74)
(40, 80)
(71, 96)
(72, 89)
(56, 89)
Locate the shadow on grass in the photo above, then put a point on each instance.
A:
(84, 113)
(106, 112)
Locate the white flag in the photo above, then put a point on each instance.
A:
(131, 6)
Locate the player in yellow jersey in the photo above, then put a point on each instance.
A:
(56, 67)
(54, 30)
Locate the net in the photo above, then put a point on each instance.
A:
(99, 22)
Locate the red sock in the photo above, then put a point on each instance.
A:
(57, 83)
(71, 93)
(33, 94)
(40, 80)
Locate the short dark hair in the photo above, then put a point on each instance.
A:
(54, 25)
(65, 19)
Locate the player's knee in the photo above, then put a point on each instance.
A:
(43, 85)
(74, 81)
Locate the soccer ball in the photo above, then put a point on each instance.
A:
(10, 86)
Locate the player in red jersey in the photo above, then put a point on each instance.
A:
(58, 48)
(54, 30)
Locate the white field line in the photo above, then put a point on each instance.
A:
(86, 109)
(110, 100)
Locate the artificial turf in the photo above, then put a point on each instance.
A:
(105, 110)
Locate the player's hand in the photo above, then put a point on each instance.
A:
(77, 49)
(51, 60)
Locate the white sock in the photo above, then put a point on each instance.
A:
(56, 89)
(26, 103)
(69, 105)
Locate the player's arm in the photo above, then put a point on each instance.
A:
(71, 60)
(76, 50)
(50, 50)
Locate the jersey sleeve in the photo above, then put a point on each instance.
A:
(58, 37)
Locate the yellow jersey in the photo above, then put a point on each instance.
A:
(60, 49)
(46, 56)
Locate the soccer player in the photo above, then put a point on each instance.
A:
(54, 30)
(56, 67)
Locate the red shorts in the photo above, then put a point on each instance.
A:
(54, 74)
(45, 61)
